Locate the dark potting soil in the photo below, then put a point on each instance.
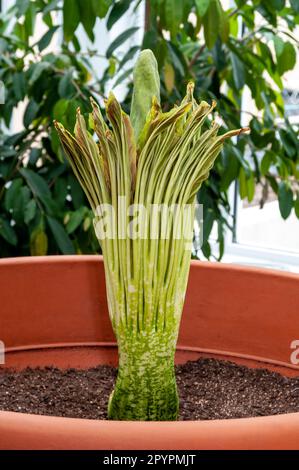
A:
(208, 389)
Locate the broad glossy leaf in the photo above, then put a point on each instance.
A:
(87, 16)
(71, 18)
(285, 199)
(212, 22)
(202, 6)
(296, 206)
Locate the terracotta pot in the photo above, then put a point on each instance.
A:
(54, 312)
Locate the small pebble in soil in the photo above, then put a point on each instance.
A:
(208, 389)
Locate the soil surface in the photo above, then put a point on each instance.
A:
(208, 388)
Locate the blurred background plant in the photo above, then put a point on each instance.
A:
(227, 48)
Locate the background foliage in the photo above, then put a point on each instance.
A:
(42, 207)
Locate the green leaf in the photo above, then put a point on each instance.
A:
(77, 194)
(75, 219)
(66, 87)
(173, 15)
(51, 6)
(37, 70)
(250, 187)
(120, 40)
(238, 71)
(7, 232)
(266, 162)
(285, 56)
(117, 11)
(29, 22)
(212, 22)
(30, 112)
(71, 18)
(59, 110)
(121, 78)
(22, 6)
(61, 237)
(37, 185)
(169, 77)
(276, 5)
(112, 67)
(295, 5)
(288, 143)
(87, 17)
(30, 211)
(202, 6)
(47, 38)
(242, 183)
(296, 206)
(285, 199)
(12, 193)
(35, 154)
(19, 85)
(101, 7)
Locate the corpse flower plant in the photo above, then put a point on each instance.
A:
(141, 166)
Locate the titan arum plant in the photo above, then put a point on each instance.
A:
(144, 161)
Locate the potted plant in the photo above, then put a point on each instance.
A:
(141, 180)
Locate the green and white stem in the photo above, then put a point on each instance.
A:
(162, 158)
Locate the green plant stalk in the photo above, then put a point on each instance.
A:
(159, 160)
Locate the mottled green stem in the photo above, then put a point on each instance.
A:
(145, 388)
